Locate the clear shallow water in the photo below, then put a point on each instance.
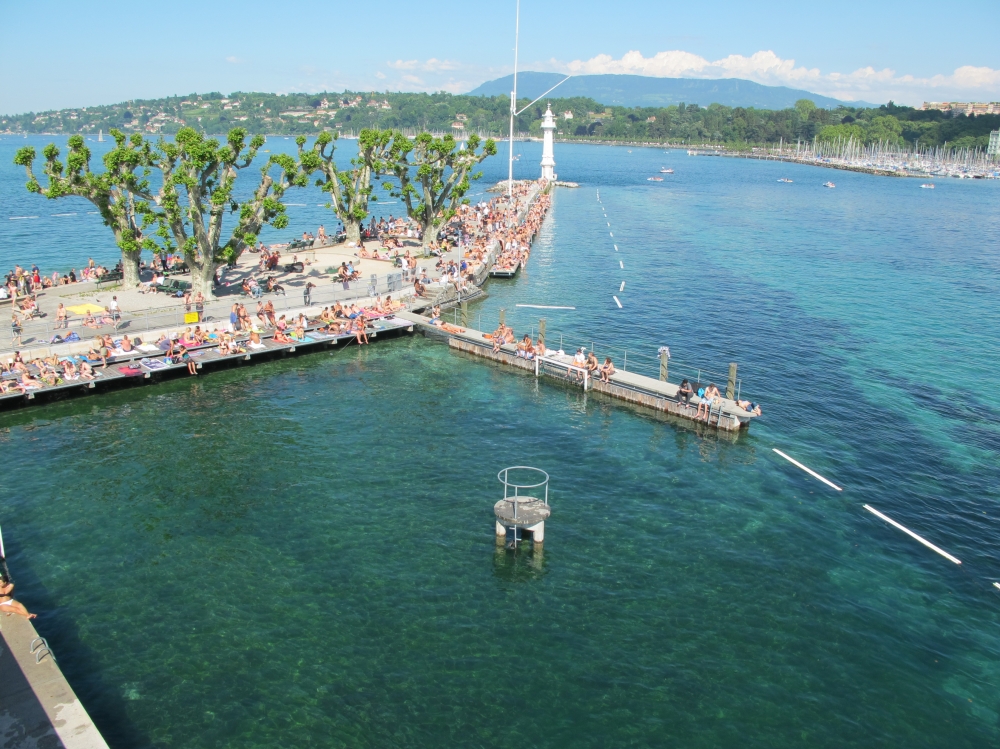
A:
(302, 553)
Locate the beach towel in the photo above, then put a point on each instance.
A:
(148, 347)
(130, 370)
(152, 363)
(253, 345)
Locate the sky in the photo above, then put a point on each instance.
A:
(56, 54)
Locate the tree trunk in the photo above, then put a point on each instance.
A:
(430, 237)
(130, 269)
(201, 277)
(353, 229)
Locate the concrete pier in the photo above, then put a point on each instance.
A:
(38, 708)
(634, 388)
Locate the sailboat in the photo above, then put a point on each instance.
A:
(664, 170)
(100, 136)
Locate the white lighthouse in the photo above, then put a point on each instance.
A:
(548, 159)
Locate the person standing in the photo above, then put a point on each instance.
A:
(307, 293)
(15, 330)
(116, 312)
(61, 317)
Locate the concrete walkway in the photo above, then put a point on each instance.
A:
(38, 709)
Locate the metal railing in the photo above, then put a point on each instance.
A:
(504, 477)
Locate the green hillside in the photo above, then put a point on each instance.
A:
(578, 117)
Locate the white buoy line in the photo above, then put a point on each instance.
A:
(617, 302)
(616, 248)
(621, 265)
(622, 288)
(910, 533)
(878, 514)
(810, 471)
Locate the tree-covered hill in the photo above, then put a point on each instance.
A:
(578, 118)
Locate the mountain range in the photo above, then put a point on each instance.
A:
(646, 91)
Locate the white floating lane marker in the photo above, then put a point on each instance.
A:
(621, 265)
(609, 223)
(617, 302)
(622, 288)
(810, 471)
(19, 218)
(616, 248)
(543, 306)
(908, 532)
(610, 232)
(996, 585)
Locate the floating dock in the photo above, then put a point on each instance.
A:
(505, 272)
(634, 388)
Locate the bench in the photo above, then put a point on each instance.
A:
(110, 277)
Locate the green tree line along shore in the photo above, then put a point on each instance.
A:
(578, 118)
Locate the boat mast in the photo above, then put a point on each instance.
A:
(513, 106)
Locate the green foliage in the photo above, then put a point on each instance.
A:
(434, 175)
(349, 189)
(199, 177)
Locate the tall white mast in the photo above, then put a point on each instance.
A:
(513, 105)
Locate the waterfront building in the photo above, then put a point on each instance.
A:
(993, 149)
(548, 158)
(955, 108)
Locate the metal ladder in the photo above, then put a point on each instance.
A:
(717, 411)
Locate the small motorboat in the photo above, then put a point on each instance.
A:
(666, 171)
(928, 186)
(828, 184)
(786, 181)
(654, 179)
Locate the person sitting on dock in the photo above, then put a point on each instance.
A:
(8, 605)
(707, 400)
(359, 329)
(684, 393)
(540, 347)
(184, 357)
(579, 362)
(592, 364)
(524, 348)
(607, 369)
(418, 288)
(281, 337)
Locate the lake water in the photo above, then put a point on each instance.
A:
(302, 553)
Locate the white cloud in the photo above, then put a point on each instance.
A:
(966, 82)
(233, 59)
(433, 65)
(380, 75)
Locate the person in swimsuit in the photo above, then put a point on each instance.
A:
(607, 369)
(711, 393)
(8, 605)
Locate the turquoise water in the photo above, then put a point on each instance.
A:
(302, 553)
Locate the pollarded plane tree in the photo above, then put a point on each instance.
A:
(351, 189)
(434, 176)
(199, 178)
(121, 193)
